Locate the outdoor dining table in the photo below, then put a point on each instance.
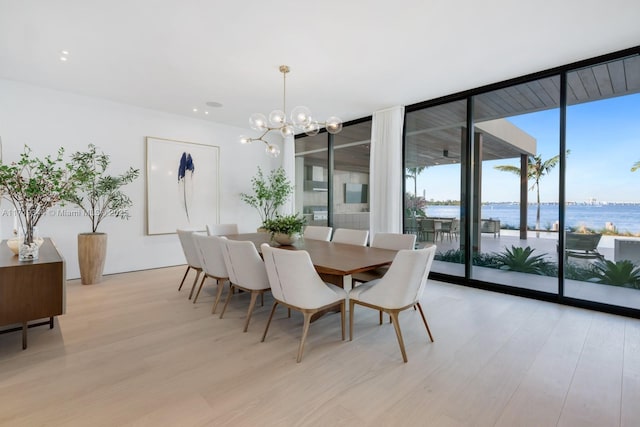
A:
(335, 262)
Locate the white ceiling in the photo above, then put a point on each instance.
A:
(348, 58)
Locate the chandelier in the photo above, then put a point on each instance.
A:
(300, 119)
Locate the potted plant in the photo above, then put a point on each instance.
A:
(285, 229)
(33, 185)
(98, 195)
(269, 193)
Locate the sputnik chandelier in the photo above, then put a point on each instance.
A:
(300, 119)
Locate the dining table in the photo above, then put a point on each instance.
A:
(335, 262)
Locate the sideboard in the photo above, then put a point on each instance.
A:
(31, 290)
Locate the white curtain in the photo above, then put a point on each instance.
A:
(386, 171)
(288, 164)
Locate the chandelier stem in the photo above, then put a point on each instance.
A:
(284, 94)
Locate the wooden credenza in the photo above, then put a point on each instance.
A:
(31, 290)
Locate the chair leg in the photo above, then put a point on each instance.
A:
(342, 318)
(424, 319)
(226, 302)
(352, 305)
(396, 325)
(262, 299)
(184, 277)
(193, 287)
(218, 295)
(200, 288)
(305, 331)
(380, 315)
(266, 329)
(252, 304)
(288, 312)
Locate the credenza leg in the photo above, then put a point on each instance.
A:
(24, 335)
(51, 322)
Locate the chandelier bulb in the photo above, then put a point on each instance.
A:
(277, 118)
(273, 150)
(245, 139)
(333, 124)
(258, 121)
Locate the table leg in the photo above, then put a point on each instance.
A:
(51, 322)
(24, 335)
(347, 283)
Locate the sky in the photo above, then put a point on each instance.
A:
(604, 142)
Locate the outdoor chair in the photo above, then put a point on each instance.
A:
(582, 245)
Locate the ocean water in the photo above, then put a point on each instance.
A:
(623, 217)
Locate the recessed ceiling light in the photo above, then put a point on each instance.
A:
(64, 52)
(214, 104)
(195, 110)
(63, 58)
(206, 112)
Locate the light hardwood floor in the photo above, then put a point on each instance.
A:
(134, 351)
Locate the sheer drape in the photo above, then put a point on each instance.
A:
(386, 171)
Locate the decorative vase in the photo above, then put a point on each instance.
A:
(285, 239)
(28, 251)
(92, 251)
(14, 244)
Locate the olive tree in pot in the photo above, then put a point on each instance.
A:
(98, 195)
(269, 193)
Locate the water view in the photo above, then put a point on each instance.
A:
(624, 217)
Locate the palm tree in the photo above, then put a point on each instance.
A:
(536, 169)
(635, 166)
(413, 174)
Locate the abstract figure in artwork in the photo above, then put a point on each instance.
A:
(185, 181)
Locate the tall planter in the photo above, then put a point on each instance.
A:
(92, 251)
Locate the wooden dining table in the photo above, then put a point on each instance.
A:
(335, 262)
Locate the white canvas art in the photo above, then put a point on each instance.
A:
(182, 185)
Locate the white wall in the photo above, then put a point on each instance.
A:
(46, 119)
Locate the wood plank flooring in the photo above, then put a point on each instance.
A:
(133, 351)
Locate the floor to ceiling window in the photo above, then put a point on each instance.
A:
(332, 177)
(602, 237)
(544, 188)
(434, 137)
(516, 146)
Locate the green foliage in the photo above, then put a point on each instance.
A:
(522, 260)
(97, 193)
(269, 193)
(414, 206)
(621, 273)
(635, 166)
(33, 185)
(287, 224)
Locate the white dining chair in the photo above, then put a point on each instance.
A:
(296, 285)
(392, 241)
(222, 229)
(213, 265)
(191, 256)
(351, 237)
(246, 272)
(317, 232)
(401, 288)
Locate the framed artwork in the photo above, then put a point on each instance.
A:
(182, 185)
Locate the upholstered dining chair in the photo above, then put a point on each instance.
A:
(351, 237)
(401, 288)
(393, 241)
(246, 272)
(296, 285)
(213, 265)
(317, 232)
(191, 255)
(222, 229)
